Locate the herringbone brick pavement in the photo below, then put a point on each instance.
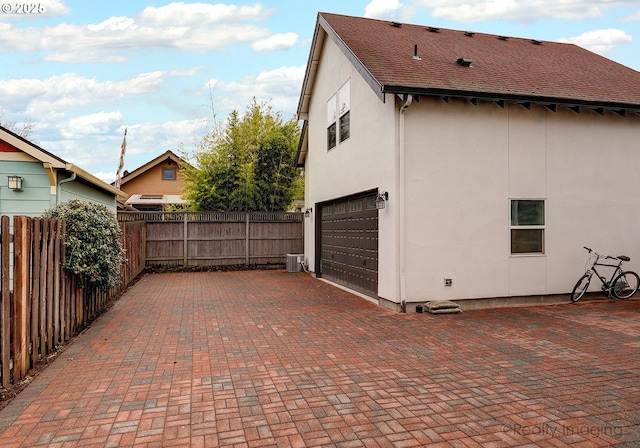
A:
(274, 359)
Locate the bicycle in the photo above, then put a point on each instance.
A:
(621, 285)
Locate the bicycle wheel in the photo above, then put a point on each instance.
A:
(581, 288)
(626, 285)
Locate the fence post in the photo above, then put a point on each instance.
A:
(36, 278)
(247, 253)
(5, 311)
(22, 293)
(57, 320)
(186, 244)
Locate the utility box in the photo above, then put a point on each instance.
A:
(293, 262)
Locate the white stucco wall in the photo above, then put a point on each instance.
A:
(463, 165)
(364, 162)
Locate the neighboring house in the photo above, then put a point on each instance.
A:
(156, 185)
(496, 160)
(33, 180)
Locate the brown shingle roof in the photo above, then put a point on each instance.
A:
(512, 68)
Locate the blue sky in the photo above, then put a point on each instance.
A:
(83, 71)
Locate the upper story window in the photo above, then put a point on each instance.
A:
(527, 226)
(168, 174)
(338, 116)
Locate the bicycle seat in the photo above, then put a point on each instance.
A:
(624, 258)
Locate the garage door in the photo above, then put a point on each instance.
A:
(349, 243)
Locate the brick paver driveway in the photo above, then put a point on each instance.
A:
(269, 358)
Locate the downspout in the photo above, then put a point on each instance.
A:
(64, 181)
(401, 207)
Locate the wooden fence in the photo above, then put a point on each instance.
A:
(42, 305)
(219, 239)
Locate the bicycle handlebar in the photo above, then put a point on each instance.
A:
(605, 256)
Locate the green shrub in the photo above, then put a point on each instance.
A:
(93, 243)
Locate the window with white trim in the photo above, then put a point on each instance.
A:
(339, 116)
(527, 226)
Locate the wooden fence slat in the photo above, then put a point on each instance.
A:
(22, 280)
(5, 305)
(57, 333)
(48, 272)
(44, 250)
(35, 289)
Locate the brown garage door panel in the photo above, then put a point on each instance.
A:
(349, 248)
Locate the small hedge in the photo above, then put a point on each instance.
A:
(93, 243)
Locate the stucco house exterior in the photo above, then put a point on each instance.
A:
(44, 179)
(452, 165)
(156, 185)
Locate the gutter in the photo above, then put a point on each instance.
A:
(524, 99)
(64, 181)
(400, 188)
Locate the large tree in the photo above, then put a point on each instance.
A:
(246, 165)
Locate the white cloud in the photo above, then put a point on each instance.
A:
(518, 10)
(193, 27)
(275, 42)
(201, 14)
(600, 41)
(632, 18)
(382, 9)
(89, 125)
(96, 150)
(281, 87)
(54, 96)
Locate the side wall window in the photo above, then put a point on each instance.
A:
(339, 116)
(527, 226)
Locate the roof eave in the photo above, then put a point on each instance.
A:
(513, 98)
(322, 31)
(151, 164)
(31, 149)
(303, 146)
(95, 181)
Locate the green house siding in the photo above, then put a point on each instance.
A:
(37, 195)
(77, 189)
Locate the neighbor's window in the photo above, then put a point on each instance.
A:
(339, 116)
(168, 174)
(527, 226)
